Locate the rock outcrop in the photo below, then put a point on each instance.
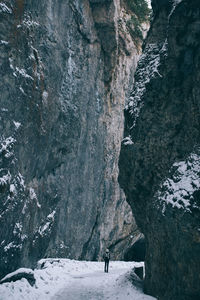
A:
(160, 155)
(66, 68)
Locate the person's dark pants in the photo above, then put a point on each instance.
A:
(106, 265)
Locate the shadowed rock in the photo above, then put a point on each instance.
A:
(136, 252)
(159, 166)
(139, 271)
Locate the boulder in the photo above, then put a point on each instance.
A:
(28, 274)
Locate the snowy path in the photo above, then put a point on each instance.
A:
(98, 285)
(64, 279)
(89, 286)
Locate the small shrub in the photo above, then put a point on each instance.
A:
(134, 28)
(140, 9)
(141, 14)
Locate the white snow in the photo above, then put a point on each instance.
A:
(66, 279)
(147, 69)
(21, 270)
(18, 232)
(11, 63)
(17, 228)
(33, 196)
(175, 3)
(3, 42)
(45, 97)
(51, 215)
(12, 245)
(23, 73)
(22, 90)
(46, 227)
(19, 71)
(28, 22)
(42, 229)
(13, 189)
(127, 141)
(17, 124)
(6, 146)
(5, 8)
(32, 193)
(5, 179)
(178, 190)
(21, 180)
(149, 3)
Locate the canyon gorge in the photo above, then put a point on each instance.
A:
(100, 134)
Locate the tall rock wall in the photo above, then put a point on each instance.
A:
(66, 67)
(160, 155)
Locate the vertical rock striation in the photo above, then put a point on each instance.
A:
(65, 71)
(160, 158)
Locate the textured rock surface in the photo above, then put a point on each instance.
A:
(65, 70)
(160, 158)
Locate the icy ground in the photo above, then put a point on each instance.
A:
(65, 279)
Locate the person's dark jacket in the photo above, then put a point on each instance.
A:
(106, 256)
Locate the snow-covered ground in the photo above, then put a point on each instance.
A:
(65, 279)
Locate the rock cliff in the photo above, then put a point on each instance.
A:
(66, 68)
(160, 155)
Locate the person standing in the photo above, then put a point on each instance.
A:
(106, 257)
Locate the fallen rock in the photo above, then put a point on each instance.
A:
(28, 274)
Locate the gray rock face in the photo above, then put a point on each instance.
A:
(159, 160)
(65, 71)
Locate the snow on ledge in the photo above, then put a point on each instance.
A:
(127, 141)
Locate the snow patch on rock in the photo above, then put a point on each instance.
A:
(5, 179)
(17, 124)
(127, 141)
(147, 69)
(47, 226)
(28, 22)
(174, 5)
(21, 270)
(2, 42)
(178, 190)
(33, 196)
(23, 73)
(4, 8)
(12, 245)
(6, 145)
